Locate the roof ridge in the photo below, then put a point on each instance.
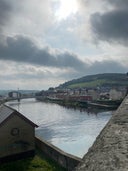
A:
(5, 114)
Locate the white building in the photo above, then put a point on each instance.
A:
(115, 94)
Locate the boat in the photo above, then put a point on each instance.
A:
(102, 106)
(109, 102)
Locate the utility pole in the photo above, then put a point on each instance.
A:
(18, 95)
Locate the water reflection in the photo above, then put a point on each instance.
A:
(72, 130)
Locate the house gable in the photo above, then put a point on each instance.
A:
(7, 112)
(17, 134)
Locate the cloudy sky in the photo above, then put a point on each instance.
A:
(44, 43)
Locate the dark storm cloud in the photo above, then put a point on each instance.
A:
(118, 3)
(4, 12)
(22, 49)
(113, 24)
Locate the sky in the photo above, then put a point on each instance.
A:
(44, 43)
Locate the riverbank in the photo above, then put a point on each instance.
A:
(64, 102)
(97, 104)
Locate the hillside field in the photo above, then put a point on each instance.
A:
(98, 80)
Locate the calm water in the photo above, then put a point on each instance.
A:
(74, 131)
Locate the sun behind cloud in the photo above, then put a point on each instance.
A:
(66, 8)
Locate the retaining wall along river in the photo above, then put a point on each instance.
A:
(66, 160)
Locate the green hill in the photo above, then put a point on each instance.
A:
(98, 80)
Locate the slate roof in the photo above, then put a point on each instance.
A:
(6, 112)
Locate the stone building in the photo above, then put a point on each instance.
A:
(14, 94)
(17, 135)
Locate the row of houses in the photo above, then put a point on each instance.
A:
(85, 94)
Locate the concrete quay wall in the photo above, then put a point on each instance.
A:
(66, 160)
(110, 150)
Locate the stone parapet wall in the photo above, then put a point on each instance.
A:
(66, 160)
(110, 150)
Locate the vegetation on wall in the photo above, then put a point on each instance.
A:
(37, 163)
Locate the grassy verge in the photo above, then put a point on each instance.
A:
(37, 163)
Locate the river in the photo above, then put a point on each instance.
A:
(72, 130)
